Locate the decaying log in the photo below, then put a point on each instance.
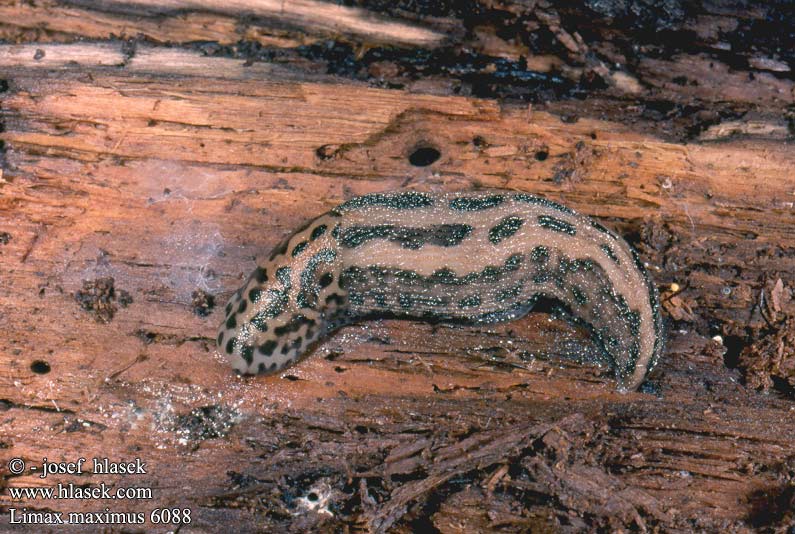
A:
(151, 151)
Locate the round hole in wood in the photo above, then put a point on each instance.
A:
(40, 367)
(423, 156)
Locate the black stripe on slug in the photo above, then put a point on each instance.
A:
(512, 311)
(558, 225)
(303, 300)
(267, 348)
(505, 229)
(491, 274)
(318, 231)
(630, 318)
(443, 235)
(476, 203)
(247, 353)
(568, 265)
(400, 201)
(633, 318)
(444, 276)
(284, 244)
(449, 235)
(260, 275)
(280, 249)
(560, 281)
(254, 295)
(260, 321)
(602, 229)
(608, 250)
(356, 276)
(407, 277)
(540, 201)
(356, 235)
(266, 368)
(299, 248)
(379, 297)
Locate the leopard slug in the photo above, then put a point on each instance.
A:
(475, 257)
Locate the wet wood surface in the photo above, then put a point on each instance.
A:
(145, 168)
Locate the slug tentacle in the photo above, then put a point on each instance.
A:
(478, 257)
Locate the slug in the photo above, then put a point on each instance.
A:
(477, 257)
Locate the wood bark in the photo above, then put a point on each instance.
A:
(151, 151)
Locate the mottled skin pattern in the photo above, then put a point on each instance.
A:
(477, 257)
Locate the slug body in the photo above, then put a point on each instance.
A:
(477, 257)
